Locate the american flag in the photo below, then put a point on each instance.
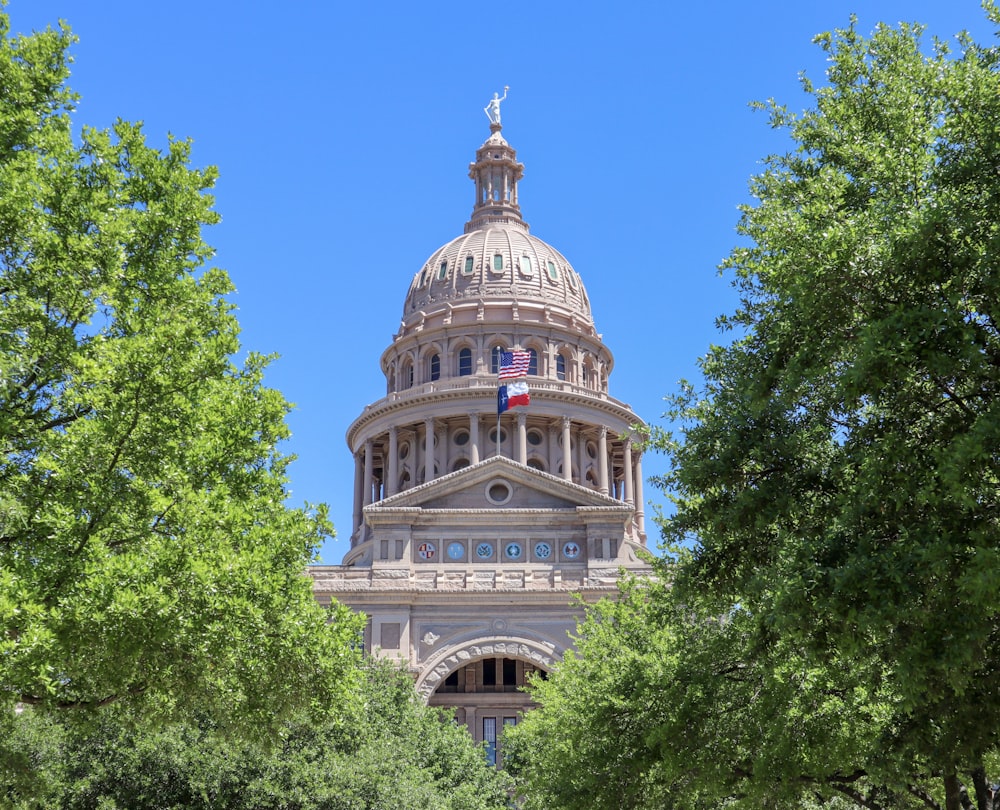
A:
(514, 364)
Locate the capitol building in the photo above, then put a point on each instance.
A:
(476, 532)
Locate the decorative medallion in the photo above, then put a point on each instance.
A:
(571, 551)
(456, 551)
(426, 551)
(543, 551)
(513, 551)
(484, 551)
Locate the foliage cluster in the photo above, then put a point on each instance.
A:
(145, 545)
(388, 750)
(831, 628)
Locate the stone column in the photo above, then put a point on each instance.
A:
(627, 471)
(640, 517)
(567, 452)
(581, 456)
(553, 460)
(428, 449)
(366, 491)
(358, 491)
(602, 453)
(441, 435)
(392, 484)
(522, 437)
(473, 438)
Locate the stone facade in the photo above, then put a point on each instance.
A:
(474, 534)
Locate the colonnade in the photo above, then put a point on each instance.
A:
(428, 442)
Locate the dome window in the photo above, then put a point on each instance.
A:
(435, 367)
(526, 269)
(533, 362)
(467, 270)
(443, 271)
(465, 362)
(534, 437)
(461, 438)
(560, 367)
(553, 270)
(497, 262)
(571, 280)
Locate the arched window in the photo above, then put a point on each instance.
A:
(495, 359)
(465, 362)
(406, 380)
(435, 367)
(560, 367)
(533, 362)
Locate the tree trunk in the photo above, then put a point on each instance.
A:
(984, 796)
(952, 792)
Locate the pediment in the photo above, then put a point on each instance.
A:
(496, 483)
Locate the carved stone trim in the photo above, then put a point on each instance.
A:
(448, 660)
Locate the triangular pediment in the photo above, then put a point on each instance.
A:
(496, 483)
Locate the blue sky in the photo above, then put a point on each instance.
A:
(343, 133)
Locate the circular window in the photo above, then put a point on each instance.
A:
(534, 437)
(543, 551)
(426, 551)
(461, 438)
(498, 492)
(404, 449)
(571, 551)
(493, 435)
(513, 551)
(591, 449)
(484, 551)
(456, 551)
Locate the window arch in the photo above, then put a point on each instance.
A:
(465, 362)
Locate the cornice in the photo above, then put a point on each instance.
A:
(484, 392)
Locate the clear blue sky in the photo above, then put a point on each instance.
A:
(343, 133)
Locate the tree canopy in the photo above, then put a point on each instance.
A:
(834, 629)
(145, 545)
(386, 750)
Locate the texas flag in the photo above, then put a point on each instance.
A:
(511, 395)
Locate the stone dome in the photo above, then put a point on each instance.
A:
(496, 257)
(497, 260)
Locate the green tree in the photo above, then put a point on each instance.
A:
(387, 750)
(839, 472)
(145, 548)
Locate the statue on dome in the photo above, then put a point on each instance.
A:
(492, 109)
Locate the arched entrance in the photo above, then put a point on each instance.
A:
(483, 684)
